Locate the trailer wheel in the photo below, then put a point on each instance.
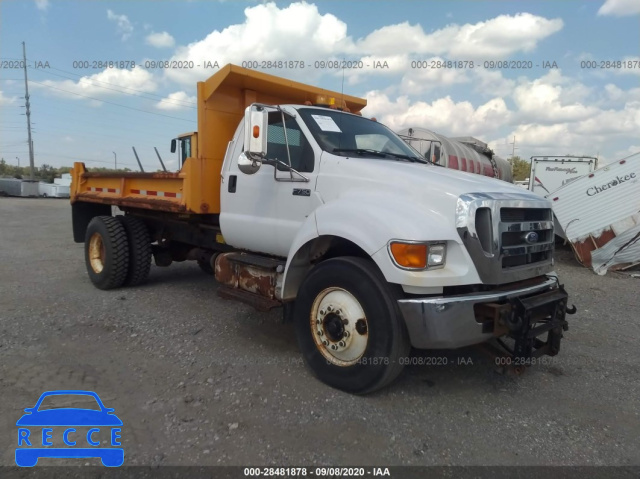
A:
(139, 250)
(106, 252)
(349, 327)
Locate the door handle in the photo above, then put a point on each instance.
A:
(233, 179)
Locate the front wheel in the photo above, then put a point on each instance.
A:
(349, 327)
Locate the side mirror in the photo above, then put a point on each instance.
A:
(173, 145)
(256, 121)
(247, 165)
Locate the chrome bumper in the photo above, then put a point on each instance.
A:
(447, 323)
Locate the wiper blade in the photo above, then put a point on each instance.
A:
(383, 154)
(360, 151)
(407, 157)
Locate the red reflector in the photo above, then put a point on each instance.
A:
(591, 175)
(555, 199)
(256, 131)
(622, 162)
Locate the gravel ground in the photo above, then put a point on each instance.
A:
(198, 380)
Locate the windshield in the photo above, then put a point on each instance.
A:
(346, 134)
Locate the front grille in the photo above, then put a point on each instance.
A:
(514, 215)
(526, 236)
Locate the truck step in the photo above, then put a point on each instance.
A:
(259, 302)
(262, 262)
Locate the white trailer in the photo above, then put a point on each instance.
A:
(600, 214)
(53, 190)
(548, 173)
(17, 187)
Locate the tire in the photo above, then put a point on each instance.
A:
(106, 252)
(206, 267)
(139, 250)
(371, 355)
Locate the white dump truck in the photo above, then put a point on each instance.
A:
(291, 198)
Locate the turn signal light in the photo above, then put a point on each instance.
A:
(256, 131)
(410, 255)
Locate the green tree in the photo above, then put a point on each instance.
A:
(521, 168)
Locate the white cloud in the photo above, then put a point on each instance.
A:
(612, 122)
(442, 115)
(498, 37)
(295, 32)
(551, 99)
(109, 82)
(620, 8)
(616, 94)
(300, 32)
(42, 5)
(124, 25)
(553, 114)
(419, 80)
(7, 100)
(492, 83)
(603, 133)
(177, 101)
(160, 40)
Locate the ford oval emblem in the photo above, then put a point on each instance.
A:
(531, 237)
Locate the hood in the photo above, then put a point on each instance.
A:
(429, 185)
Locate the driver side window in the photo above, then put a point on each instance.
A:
(300, 150)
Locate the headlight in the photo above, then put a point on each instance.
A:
(437, 253)
(417, 255)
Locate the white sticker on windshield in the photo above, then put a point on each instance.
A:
(326, 123)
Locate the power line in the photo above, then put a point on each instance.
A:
(106, 83)
(119, 86)
(183, 103)
(113, 103)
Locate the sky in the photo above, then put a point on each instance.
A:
(552, 77)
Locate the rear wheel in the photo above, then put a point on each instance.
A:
(139, 250)
(106, 251)
(349, 327)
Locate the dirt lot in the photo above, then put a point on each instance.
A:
(198, 380)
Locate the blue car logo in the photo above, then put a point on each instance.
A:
(71, 426)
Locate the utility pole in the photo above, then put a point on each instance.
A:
(18, 161)
(513, 152)
(115, 159)
(28, 106)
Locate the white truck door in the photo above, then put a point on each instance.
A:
(259, 212)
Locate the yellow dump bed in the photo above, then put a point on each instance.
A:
(195, 189)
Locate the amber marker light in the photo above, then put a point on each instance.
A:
(256, 131)
(409, 255)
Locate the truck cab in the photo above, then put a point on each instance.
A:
(187, 146)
